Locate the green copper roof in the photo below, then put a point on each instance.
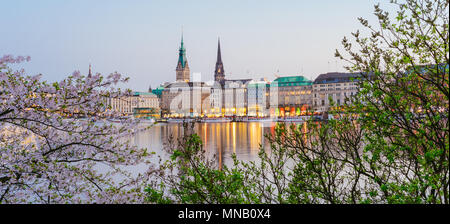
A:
(158, 91)
(182, 55)
(257, 85)
(291, 81)
(142, 93)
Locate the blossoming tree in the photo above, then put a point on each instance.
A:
(56, 144)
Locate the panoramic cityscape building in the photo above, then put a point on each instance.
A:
(184, 98)
(286, 96)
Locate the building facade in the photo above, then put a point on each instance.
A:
(121, 105)
(258, 98)
(293, 96)
(235, 97)
(145, 105)
(127, 105)
(334, 86)
(185, 99)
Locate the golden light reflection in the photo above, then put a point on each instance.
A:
(227, 131)
(220, 139)
(234, 136)
(205, 136)
(255, 137)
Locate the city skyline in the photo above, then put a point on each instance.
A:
(141, 40)
(200, 102)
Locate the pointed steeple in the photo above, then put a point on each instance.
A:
(182, 36)
(182, 43)
(183, 73)
(219, 55)
(219, 73)
(182, 54)
(90, 70)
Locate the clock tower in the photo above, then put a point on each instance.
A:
(183, 72)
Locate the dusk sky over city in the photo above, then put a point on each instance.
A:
(140, 39)
(203, 105)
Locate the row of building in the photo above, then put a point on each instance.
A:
(139, 104)
(283, 97)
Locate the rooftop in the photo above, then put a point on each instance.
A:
(291, 81)
(143, 94)
(334, 77)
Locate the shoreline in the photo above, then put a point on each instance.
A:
(226, 120)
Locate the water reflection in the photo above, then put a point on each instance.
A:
(221, 139)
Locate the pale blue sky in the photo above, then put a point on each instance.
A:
(140, 39)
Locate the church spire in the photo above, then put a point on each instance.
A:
(90, 70)
(219, 55)
(219, 73)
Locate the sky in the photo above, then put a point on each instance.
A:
(140, 39)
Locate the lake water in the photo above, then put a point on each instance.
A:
(222, 139)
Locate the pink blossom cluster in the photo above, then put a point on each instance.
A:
(8, 59)
(54, 135)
